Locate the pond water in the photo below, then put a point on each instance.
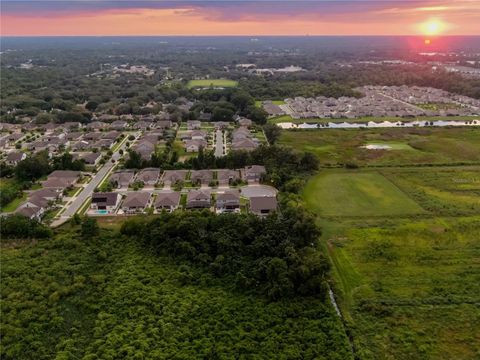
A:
(383, 124)
(377, 147)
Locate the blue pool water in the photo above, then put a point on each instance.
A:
(103, 212)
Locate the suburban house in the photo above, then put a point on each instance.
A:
(104, 144)
(97, 125)
(246, 144)
(198, 135)
(136, 202)
(173, 176)
(245, 122)
(229, 201)
(61, 179)
(75, 135)
(227, 176)
(201, 177)
(145, 149)
(194, 124)
(198, 199)
(195, 145)
(106, 201)
(168, 201)
(220, 125)
(92, 136)
(14, 158)
(263, 205)
(118, 125)
(121, 179)
(164, 124)
(90, 158)
(111, 135)
(149, 176)
(31, 211)
(50, 194)
(253, 173)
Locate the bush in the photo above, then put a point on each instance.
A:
(21, 227)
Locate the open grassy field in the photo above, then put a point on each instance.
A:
(409, 290)
(412, 146)
(211, 82)
(343, 193)
(441, 191)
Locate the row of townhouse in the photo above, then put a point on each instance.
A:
(152, 176)
(109, 203)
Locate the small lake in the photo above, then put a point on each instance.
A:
(383, 124)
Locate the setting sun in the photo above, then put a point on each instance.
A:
(432, 27)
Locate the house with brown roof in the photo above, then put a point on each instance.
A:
(105, 202)
(145, 149)
(136, 202)
(245, 144)
(253, 173)
(148, 176)
(31, 212)
(168, 201)
(118, 125)
(122, 179)
(195, 145)
(194, 124)
(61, 179)
(227, 176)
(228, 201)
(89, 158)
(201, 177)
(263, 205)
(198, 199)
(50, 194)
(15, 157)
(173, 176)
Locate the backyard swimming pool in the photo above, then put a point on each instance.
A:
(102, 212)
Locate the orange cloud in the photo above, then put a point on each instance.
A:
(189, 21)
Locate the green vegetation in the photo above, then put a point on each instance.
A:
(410, 290)
(95, 299)
(11, 194)
(420, 146)
(348, 193)
(211, 83)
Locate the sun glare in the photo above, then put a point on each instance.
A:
(432, 27)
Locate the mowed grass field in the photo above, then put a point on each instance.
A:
(211, 82)
(355, 193)
(409, 290)
(413, 146)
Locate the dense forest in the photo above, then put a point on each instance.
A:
(110, 296)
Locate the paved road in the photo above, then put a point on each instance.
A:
(219, 143)
(85, 194)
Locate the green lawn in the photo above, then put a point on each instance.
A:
(211, 82)
(410, 290)
(413, 146)
(15, 203)
(349, 193)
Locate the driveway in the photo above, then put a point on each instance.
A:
(219, 143)
(258, 190)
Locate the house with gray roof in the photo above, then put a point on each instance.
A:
(172, 176)
(122, 179)
(263, 205)
(148, 176)
(136, 202)
(228, 201)
(227, 176)
(201, 177)
(198, 199)
(253, 173)
(168, 201)
(106, 202)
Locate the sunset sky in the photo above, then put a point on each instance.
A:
(337, 17)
